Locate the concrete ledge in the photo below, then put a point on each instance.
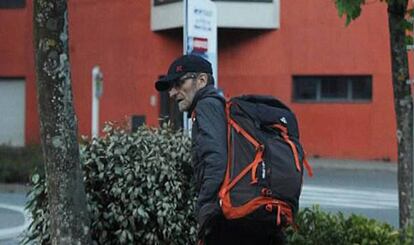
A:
(352, 164)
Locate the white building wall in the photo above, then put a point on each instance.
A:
(12, 112)
(234, 14)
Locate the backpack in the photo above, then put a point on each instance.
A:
(264, 174)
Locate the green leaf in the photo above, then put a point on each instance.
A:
(35, 178)
(125, 179)
(350, 8)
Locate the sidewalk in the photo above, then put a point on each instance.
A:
(352, 164)
(14, 188)
(13, 218)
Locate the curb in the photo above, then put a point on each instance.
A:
(319, 163)
(10, 233)
(14, 188)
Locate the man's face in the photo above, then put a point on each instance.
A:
(184, 90)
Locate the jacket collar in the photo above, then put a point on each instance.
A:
(207, 91)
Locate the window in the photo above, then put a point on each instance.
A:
(169, 110)
(161, 2)
(12, 110)
(332, 88)
(12, 4)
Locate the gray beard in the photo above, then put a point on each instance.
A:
(183, 106)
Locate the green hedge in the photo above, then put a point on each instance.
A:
(17, 164)
(139, 192)
(138, 189)
(318, 227)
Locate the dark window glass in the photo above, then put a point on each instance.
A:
(332, 88)
(137, 121)
(12, 4)
(161, 2)
(251, 1)
(169, 111)
(305, 88)
(362, 88)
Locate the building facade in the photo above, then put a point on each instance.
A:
(337, 79)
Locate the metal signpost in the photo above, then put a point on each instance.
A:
(97, 89)
(411, 83)
(200, 35)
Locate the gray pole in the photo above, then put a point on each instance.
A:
(412, 127)
(186, 122)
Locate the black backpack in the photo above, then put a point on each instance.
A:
(264, 173)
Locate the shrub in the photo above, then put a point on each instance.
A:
(138, 189)
(139, 192)
(17, 164)
(318, 227)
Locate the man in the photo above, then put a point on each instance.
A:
(190, 82)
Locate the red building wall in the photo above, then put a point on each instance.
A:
(312, 40)
(116, 36)
(17, 60)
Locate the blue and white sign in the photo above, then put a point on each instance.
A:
(200, 36)
(200, 31)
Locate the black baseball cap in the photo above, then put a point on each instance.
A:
(180, 66)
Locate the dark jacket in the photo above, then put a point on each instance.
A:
(209, 149)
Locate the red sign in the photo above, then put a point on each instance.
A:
(200, 44)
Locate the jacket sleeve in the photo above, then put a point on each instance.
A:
(212, 148)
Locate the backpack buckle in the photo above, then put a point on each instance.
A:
(269, 207)
(266, 192)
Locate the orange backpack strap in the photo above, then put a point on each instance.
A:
(307, 165)
(284, 132)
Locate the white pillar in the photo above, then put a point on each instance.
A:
(96, 94)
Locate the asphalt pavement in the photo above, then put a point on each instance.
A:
(367, 188)
(363, 187)
(13, 218)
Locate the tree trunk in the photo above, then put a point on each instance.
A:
(58, 126)
(403, 108)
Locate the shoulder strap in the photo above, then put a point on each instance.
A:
(263, 99)
(222, 99)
